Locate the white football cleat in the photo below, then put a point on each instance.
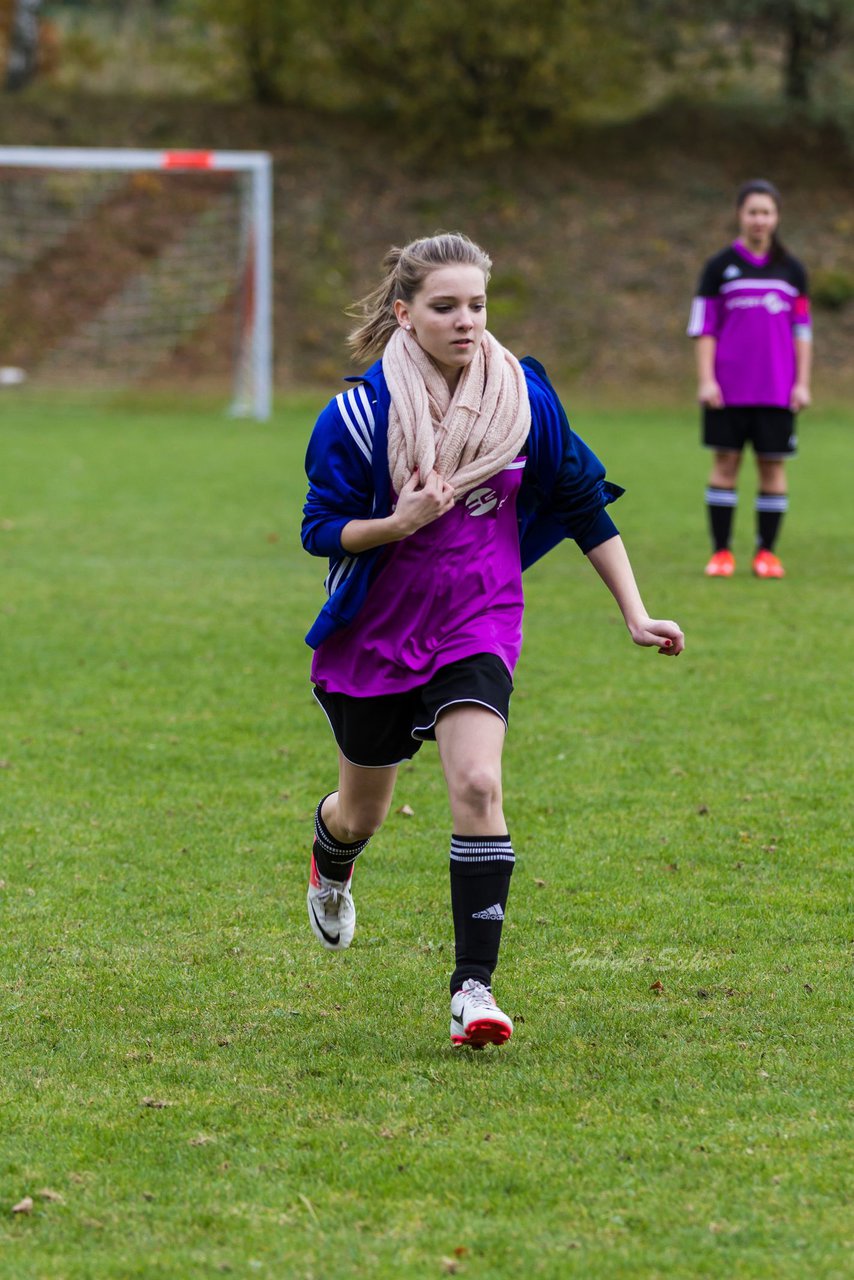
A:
(475, 1017)
(331, 910)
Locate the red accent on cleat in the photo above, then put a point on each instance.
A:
(487, 1032)
(721, 565)
(766, 565)
(484, 1032)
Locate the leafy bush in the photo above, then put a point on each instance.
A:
(832, 288)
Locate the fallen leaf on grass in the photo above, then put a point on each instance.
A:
(156, 1104)
(450, 1266)
(407, 811)
(23, 1206)
(52, 1197)
(5, 764)
(541, 884)
(309, 1206)
(657, 986)
(808, 987)
(386, 1133)
(702, 808)
(202, 1140)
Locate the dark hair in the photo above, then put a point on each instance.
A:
(757, 187)
(762, 187)
(404, 273)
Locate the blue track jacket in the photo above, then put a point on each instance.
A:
(563, 493)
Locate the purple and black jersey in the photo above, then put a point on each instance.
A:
(754, 308)
(396, 614)
(450, 590)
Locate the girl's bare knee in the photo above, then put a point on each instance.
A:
(360, 823)
(478, 791)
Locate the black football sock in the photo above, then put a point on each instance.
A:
(481, 867)
(721, 505)
(770, 509)
(332, 858)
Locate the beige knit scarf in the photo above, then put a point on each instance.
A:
(468, 436)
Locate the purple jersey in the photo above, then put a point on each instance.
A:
(450, 590)
(754, 308)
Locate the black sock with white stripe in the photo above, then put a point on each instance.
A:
(721, 505)
(481, 867)
(770, 509)
(333, 859)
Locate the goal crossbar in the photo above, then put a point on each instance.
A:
(257, 168)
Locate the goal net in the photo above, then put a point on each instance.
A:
(122, 267)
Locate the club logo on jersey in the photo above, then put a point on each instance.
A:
(732, 272)
(479, 501)
(772, 302)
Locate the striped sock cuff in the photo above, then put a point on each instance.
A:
(481, 855)
(721, 497)
(778, 502)
(334, 849)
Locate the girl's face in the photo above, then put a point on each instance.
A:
(757, 221)
(448, 317)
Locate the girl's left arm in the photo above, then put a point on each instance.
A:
(611, 562)
(801, 397)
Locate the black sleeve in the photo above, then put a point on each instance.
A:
(710, 279)
(799, 277)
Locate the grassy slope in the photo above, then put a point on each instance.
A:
(597, 242)
(161, 760)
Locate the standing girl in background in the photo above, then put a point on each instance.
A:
(751, 321)
(444, 471)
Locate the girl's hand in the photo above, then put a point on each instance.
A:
(801, 398)
(665, 634)
(709, 394)
(420, 504)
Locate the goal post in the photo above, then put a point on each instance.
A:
(190, 257)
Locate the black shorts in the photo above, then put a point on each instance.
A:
(382, 731)
(771, 431)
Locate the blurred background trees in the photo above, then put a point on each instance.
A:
(490, 76)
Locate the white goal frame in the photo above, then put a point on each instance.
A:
(253, 393)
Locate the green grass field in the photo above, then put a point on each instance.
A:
(191, 1087)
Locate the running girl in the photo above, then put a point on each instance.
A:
(445, 470)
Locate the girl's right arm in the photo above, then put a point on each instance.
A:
(417, 505)
(704, 326)
(708, 390)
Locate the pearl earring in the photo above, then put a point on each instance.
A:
(407, 327)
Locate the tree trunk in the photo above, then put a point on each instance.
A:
(799, 55)
(22, 59)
